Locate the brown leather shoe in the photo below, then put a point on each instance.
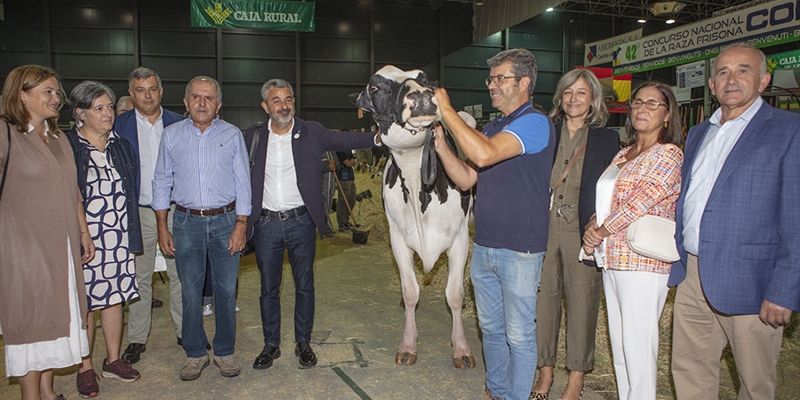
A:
(193, 367)
(156, 303)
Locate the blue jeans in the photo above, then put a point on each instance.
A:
(505, 284)
(272, 237)
(198, 239)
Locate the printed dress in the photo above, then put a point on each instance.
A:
(110, 277)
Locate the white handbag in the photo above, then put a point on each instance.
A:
(653, 237)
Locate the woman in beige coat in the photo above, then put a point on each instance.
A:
(44, 238)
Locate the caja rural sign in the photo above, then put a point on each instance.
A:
(252, 14)
(764, 25)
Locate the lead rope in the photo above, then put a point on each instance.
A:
(428, 170)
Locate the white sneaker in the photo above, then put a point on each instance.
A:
(207, 310)
(237, 306)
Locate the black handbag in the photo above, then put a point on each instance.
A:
(250, 246)
(8, 154)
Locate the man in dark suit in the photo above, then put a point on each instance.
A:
(143, 127)
(288, 206)
(737, 233)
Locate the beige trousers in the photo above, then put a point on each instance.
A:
(140, 312)
(701, 333)
(580, 285)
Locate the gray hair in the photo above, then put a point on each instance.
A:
(598, 113)
(83, 95)
(142, 73)
(203, 78)
(277, 83)
(762, 68)
(523, 63)
(124, 99)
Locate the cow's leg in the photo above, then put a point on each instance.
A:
(457, 259)
(407, 354)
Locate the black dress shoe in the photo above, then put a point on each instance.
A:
(133, 352)
(180, 343)
(307, 357)
(156, 303)
(264, 360)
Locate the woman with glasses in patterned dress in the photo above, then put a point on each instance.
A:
(643, 179)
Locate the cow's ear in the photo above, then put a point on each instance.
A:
(363, 100)
(422, 78)
(353, 97)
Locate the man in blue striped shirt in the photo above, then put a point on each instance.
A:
(202, 166)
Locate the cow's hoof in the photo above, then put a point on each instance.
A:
(464, 362)
(404, 358)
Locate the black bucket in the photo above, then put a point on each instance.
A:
(360, 236)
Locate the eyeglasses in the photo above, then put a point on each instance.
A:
(651, 105)
(498, 79)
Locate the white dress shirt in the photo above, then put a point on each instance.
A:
(149, 139)
(280, 177)
(710, 158)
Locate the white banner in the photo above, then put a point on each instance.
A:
(764, 25)
(602, 52)
(691, 75)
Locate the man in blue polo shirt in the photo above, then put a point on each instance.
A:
(510, 162)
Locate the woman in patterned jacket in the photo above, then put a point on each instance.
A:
(643, 179)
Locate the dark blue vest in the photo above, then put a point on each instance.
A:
(513, 196)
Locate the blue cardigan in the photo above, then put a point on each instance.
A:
(127, 165)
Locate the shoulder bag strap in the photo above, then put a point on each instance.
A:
(254, 145)
(8, 154)
(569, 166)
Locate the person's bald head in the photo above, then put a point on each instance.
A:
(124, 104)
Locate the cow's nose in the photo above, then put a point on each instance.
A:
(421, 102)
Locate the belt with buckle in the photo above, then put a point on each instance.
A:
(207, 212)
(282, 215)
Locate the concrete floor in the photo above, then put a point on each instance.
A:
(357, 330)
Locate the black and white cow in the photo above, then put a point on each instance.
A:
(427, 213)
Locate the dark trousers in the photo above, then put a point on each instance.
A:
(272, 236)
(348, 192)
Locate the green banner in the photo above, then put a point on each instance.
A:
(787, 60)
(253, 14)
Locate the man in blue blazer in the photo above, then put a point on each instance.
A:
(143, 127)
(738, 234)
(288, 210)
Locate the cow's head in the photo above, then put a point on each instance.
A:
(401, 97)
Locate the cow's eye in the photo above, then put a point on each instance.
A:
(373, 89)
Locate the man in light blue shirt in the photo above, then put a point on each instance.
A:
(202, 167)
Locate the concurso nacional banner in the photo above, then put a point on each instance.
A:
(253, 14)
(764, 25)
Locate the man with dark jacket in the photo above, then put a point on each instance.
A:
(143, 127)
(288, 206)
